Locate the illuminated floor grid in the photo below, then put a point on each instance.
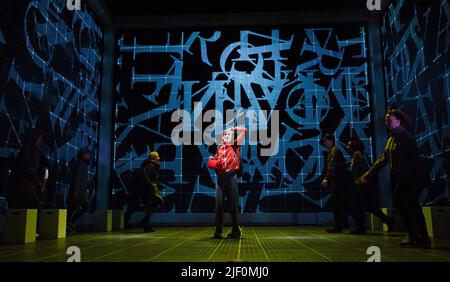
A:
(194, 244)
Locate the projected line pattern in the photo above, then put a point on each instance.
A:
(51, 83)
(272, 70)
(416, 51)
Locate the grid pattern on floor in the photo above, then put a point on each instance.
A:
(194, 244)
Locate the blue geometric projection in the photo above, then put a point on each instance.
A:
(316, 78)
(416, 50)
(49, 79)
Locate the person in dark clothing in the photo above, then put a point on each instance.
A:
(402, 155)
(27, 179)
(151, 195)
(78, 194)
(144, 186)
(337, 180)
(133, 199)
(364, 197)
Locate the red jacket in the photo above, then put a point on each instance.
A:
(227, 160)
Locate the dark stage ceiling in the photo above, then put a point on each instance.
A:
(151, 8)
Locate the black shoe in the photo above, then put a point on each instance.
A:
(358, 232)
(70, 228)
(409, 242)
(217, 236)
(234, 235)
(148, 229)
(391, 226)
(425, 243)
(334, 230)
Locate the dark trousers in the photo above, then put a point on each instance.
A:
(406, 201)
(338, 200)
(227, 186)
(133, 206)
(151, 205)
(343, 204)
(77, 206)
(365, 198)
(79, 211)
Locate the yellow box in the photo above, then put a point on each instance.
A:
(103, 220)
(399, 226)
(438, 221)
(118, 219)
(20, 226)
(375, 223)
(52, 223)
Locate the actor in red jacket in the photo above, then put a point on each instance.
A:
(226, 162)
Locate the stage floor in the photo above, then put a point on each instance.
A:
(194, 244)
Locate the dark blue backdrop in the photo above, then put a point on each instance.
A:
(316, 77)
(416, 57)
(50, 60)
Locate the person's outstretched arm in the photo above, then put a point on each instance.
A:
(378, 165)
(242, 131)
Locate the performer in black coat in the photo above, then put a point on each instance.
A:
(144, 188)
(78, 189)
(337, 180)
(151, 196)
(27, 179)
(364, 197)
(402, 155)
